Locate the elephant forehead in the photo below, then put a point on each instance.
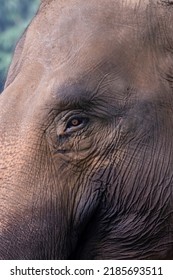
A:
(70, 39)
(57, 37)
(76, 32)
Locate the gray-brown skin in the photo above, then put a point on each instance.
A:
(86, 134)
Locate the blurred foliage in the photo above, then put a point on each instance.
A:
(14, 18)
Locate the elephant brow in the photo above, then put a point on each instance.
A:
(74, 97)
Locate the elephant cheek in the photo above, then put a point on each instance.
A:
(33, 216)
(35, 230)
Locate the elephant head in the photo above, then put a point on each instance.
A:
(86, 133)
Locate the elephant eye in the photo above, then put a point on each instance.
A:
(76, 123)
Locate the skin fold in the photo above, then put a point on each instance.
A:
(86, 133)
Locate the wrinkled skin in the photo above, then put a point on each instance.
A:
(86, 134)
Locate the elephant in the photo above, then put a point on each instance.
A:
(86, 134)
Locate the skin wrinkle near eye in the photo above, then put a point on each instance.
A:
(75, 145)
(82, 102)
(78, 95)
(64, 116)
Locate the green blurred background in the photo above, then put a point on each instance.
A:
(14, 18)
